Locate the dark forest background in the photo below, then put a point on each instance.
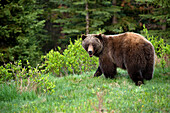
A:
(31, 28)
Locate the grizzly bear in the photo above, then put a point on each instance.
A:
(130, 51)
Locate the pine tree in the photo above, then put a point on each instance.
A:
(20, 31)
(84, 16)
(157, 17)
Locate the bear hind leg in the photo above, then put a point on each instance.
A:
(137, 77)
(148, 73)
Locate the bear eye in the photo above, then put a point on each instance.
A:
(86, 48)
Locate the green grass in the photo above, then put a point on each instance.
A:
(83, 93)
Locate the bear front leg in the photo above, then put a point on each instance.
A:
(98, 72)
(109, 73)
(109, 70)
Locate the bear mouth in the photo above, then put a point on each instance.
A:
(90, 55)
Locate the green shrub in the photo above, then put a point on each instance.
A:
(73, 60)
(26, 79)
(161, 49)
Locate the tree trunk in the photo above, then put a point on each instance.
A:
(114, 19)
(87, 19)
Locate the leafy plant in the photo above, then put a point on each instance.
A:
(73, 60)
(26, 79)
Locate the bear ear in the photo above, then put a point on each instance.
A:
(99, 36)
(83, 36)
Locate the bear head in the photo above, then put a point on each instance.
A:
(93, 44)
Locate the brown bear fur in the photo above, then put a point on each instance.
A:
(129, 51)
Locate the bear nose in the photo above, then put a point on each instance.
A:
(90, 52)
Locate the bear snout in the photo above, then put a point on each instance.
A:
(90, 50)
(90, 53)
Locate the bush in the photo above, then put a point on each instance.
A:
(26, 79)
(73, 60)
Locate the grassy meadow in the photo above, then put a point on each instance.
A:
(83, 93)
